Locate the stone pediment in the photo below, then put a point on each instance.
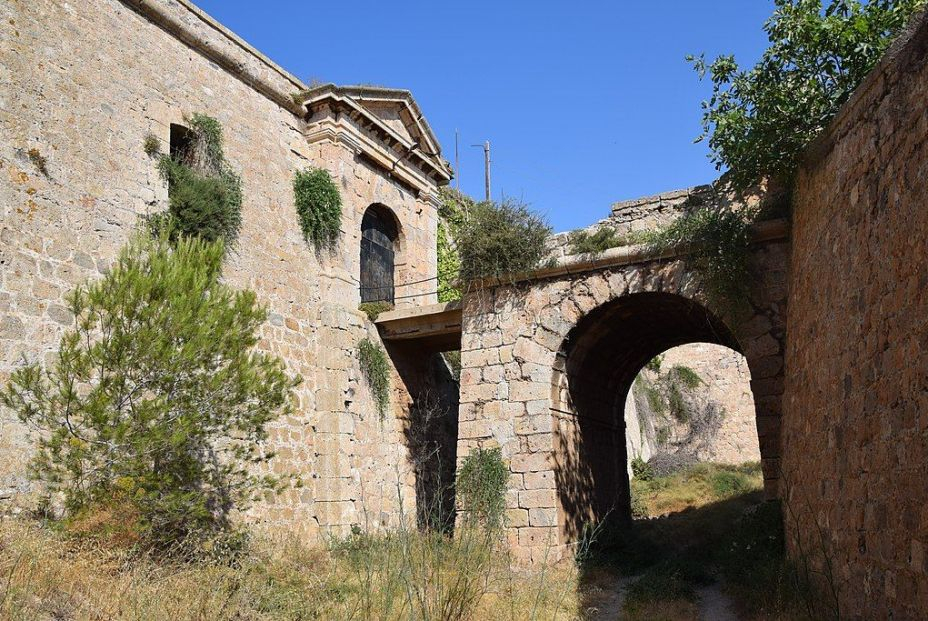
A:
(384, 124)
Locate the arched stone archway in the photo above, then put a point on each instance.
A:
(593, 372)
(523, 343)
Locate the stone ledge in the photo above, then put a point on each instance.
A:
(763, 232)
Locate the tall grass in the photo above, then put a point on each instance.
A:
(400, 575)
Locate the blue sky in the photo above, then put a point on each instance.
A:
(585, 103)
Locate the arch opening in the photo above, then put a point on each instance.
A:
(594, 372)
(380, 247)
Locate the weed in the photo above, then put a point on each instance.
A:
(152, 145)
(376, 369)
(374, 309)
(39, 161)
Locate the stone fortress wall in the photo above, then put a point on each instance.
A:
(855, 405)
(84, 83)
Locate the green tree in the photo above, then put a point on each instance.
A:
(157, 397)
(758, 121)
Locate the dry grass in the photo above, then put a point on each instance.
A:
(695, 487)
(48, 575)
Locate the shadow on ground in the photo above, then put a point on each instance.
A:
(674, 566)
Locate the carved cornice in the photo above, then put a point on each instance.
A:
(337, 114)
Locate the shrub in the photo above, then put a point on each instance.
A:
(726, 483)
(151, 146)
(759, 121)
(500, 240)
(592, 245)
(157, 398)
(641, 470)
(204, 194)
(318, 206)
(374, 309)
(481, 487)
(716, 241)
(203, 206)
(376, 369)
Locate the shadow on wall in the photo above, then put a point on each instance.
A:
(593, 374)
(430, 431)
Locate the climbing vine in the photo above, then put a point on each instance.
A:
(451, 213)
(376, 370)
(318, 206)
(204, 194)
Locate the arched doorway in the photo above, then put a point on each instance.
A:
(379, 236)
(594, 371)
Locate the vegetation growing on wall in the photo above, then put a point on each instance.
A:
(151, 145)
(485, 240)
(204, 194)
(39, 161)
(591, 245)
(318, 206)
(497, 240)
(716, 240)
(451, 213)
(374, 309)
(376, 369)
(156, 403)
(481, 487)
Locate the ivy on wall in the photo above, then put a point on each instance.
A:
(204, 193)
(376, 370)
(451, 213)
(318, 206)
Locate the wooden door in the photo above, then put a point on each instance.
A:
(378, 237)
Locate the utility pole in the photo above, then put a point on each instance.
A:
(457, 161)
(486, 165)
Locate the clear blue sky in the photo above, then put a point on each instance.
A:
(585, 102)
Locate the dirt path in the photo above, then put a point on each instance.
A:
(714, 605)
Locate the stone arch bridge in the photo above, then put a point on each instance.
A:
(548, 358)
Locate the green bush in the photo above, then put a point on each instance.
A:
(318, 206)
(374, 309)
(481, 487)
(157, 398)
(204, 194)
(592, 245)
(727, 483)
(500, 240)
(376, 369)
(641, 470)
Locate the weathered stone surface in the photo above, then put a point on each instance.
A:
(855, 417)
(87, 109)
